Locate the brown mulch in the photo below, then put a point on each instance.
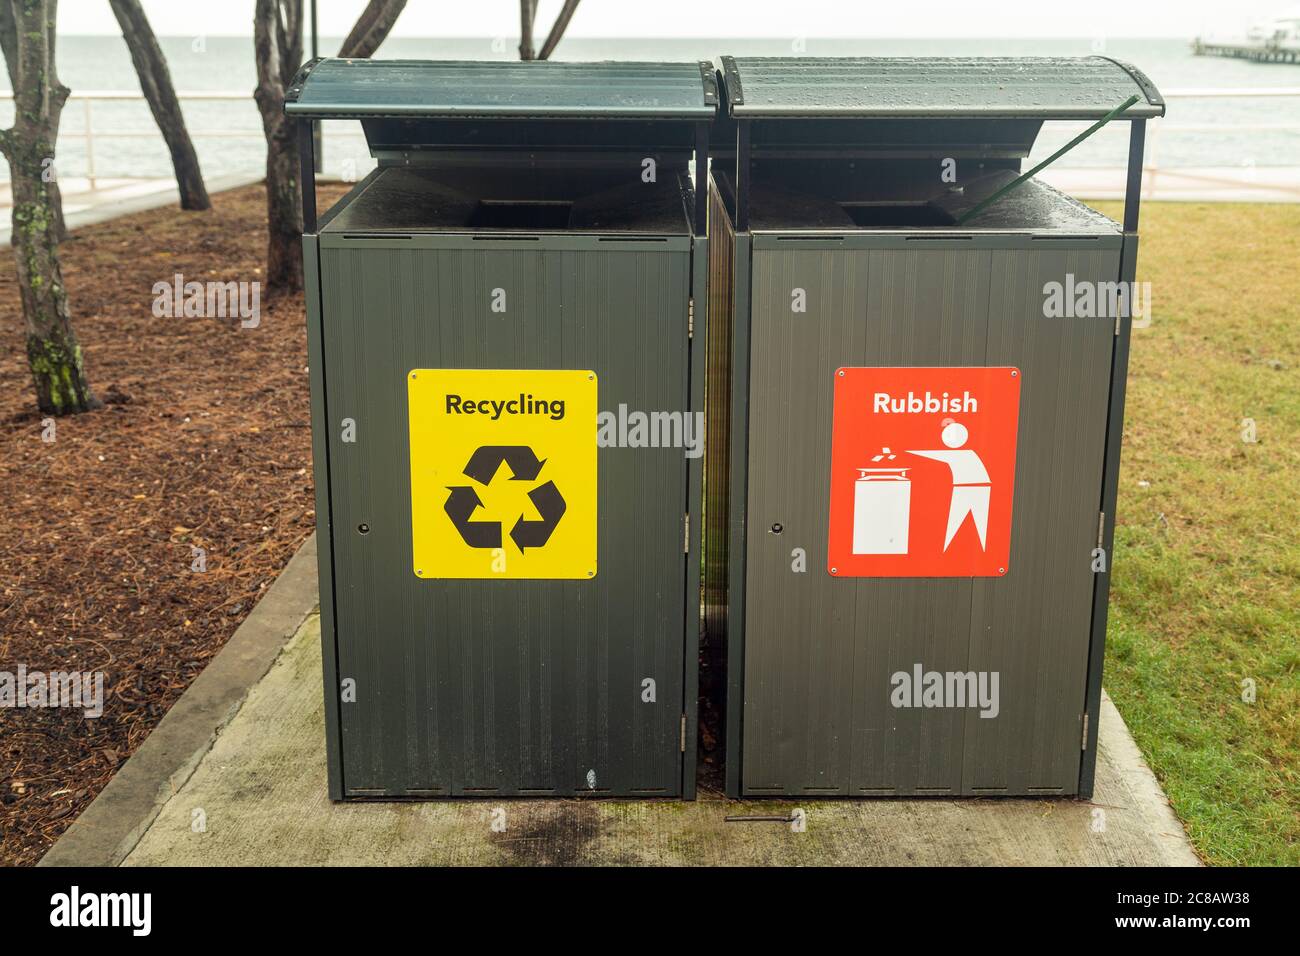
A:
(204, 441)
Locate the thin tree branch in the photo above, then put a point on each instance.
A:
(9, 41)
(557, 30)
(156, 85)
(371, 28)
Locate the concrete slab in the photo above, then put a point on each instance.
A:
(260, 796)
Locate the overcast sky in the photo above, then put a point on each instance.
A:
(725, 18)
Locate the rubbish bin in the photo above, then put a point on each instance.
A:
(497, 316)
(908, 563)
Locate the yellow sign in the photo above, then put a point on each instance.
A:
(503, 473)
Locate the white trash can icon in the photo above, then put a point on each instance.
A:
(882, 501)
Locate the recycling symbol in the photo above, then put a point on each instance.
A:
(482, 468)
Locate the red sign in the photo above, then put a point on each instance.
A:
(923, 462)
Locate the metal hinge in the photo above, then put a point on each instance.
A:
(686, 536)
(1118, 318)
(690, 318)
(683, 742)
(1083, 743)
(1101, 528)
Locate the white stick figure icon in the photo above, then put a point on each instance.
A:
(970, 482)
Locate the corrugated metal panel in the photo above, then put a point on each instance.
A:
(694, 618)
(1035, 631)
(324, 529)
(516, 687)
(721, 320)
(722, 244)
(1043, 87)
(1110, 492)
(819, 651)
(487, 89)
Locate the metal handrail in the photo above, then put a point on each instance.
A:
(1159, 128)
(89, 134)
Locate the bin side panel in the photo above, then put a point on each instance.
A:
(737, 514)
(324, 531)
(694, 617)
(721, 305)
(506, 687)
(1110, 492)
(820, 651)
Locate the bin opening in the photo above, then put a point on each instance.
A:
(523, 199)
(521, 214)
(878, 215)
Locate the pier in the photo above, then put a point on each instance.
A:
(1262, 51)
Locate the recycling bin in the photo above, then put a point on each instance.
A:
(917, 358)
(507, 424)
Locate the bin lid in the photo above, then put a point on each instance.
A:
(335, 88)
(918, 87)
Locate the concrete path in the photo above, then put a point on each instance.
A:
(261, 794)
(111, 198)
(215, 786)
(1182, 184)
(223, 783)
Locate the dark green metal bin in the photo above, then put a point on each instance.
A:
(834, 194)
(530, 178)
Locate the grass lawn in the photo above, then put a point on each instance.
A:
(1207, 554)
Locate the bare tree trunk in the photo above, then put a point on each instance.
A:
(277, 40)
(557, 30)
(527, 17)
(156, 84)
(8, 43)
(53, 354)
(283, 210)
(372, 28)
(57, 225)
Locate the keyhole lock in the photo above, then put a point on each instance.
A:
(777, 528)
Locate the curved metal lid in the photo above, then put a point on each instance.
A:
(916, 87)
(362, 88)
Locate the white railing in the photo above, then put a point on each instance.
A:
(1156, 131)
(88, 133)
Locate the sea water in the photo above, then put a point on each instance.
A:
(226, 64)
